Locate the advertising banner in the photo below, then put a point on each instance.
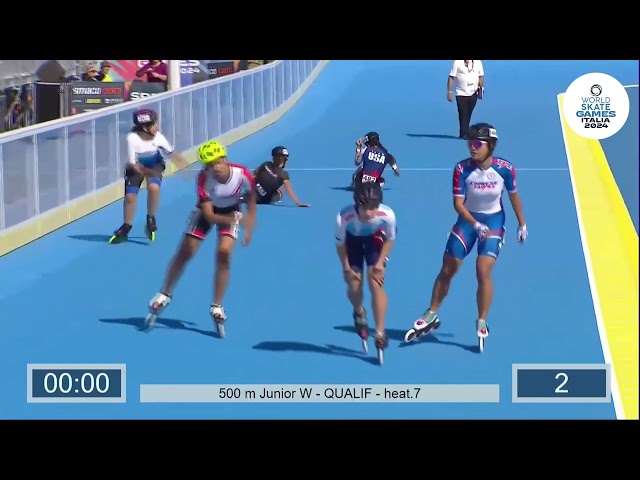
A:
(220, 68)
(86, 96)
(191, 71)
(139, 90)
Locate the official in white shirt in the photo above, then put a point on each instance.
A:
(466, 80)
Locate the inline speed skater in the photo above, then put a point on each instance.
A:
(219, 188)
(371, 159)
(271, 176)
(478, 183)
(147, 149)
(365, 233)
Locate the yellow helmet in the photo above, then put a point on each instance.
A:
(210, 152)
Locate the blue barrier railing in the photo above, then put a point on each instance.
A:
(51, 165)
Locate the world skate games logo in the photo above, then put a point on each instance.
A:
(596, 106)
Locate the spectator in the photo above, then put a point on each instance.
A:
(105, 69)
(255, 64)
(468, 77)
(19, 110)
(155, 71)
(12, 99)
(90, 74)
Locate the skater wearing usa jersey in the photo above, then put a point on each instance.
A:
(371, 159)
(365, 233)
(478, 183)
(220, 189)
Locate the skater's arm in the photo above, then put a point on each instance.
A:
(286, 183)
(516, 204)
(252, 208)
(391, 161)
(178, 160)
(342, 255)
(458, 205)
(459, 194)
(341, 248)
(511, 186)
(390, 231)
(359, 150)
(215, 218)
(132, 140)
(386, 249)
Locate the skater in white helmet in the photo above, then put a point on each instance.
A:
(478, 183)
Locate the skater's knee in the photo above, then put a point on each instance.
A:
(187, 249)
(153, 187)
(450, 266)
(376, 280)
(130, 198)
(354, 286)
(223, 256)
(484, 267)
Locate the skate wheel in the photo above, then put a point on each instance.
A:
(365, 346)
(150, 320)
(220, 328)
(481, 344)
(380, 356)
(410, 336)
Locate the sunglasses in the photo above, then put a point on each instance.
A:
(476, 144)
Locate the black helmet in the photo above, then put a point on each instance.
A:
(144, 116)
(368, 195)
(371, 136)
(483, 131)
(279, 151)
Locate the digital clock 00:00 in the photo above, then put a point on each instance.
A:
(76, 383)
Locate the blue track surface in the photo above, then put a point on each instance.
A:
(71, 298)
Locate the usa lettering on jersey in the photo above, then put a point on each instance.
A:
(377, 157)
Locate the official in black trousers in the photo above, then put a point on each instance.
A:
(466, 80)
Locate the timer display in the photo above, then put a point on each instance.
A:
(76, 383)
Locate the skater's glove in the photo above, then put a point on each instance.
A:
(522, 234)
(481, 230)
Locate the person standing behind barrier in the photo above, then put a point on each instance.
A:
(147, 149)
(90, 74)
(155, 71)
(468, 78)
(105, 70)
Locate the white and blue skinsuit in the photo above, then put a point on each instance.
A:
(482, 191)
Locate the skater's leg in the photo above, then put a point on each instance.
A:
(132, 183)
(355, 293)
(196, 231)
(450, 266)
(187, 249)
(226, 243)
(488, 252)
(460, 242)
(376, 250)
(378, 299)
(484, 295)
(461, 239)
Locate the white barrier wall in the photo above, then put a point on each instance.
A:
(55, 173)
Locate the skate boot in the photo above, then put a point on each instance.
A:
(427, 322)
(151, 228)
(157, 304)
(482, 330)
(219, 317)
(382, 342)
(362, 328)
(121, 234)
